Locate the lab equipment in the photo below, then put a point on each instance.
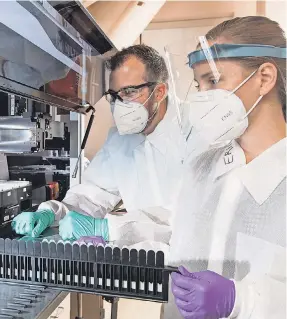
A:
(203, 294)
(15, 196)
(33, 223)
(106, 271)
(75, 225)
(20, 135)
(84, 142)
(55, 65)
(25, 301)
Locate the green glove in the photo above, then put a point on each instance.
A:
(33, 223)
(75, 225)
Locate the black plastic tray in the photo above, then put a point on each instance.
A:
(100, 270)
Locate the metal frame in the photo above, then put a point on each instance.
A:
(10, 86)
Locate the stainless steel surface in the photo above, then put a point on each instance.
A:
(17, 134)
(41, 307)
(4, 173)
(24, 135)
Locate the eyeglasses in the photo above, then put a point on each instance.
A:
(128, 93)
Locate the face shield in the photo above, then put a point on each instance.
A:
(182, 74)
(199, 65)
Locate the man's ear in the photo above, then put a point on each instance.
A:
(268, 73)
(160, 92)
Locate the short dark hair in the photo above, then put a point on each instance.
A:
(156, 70)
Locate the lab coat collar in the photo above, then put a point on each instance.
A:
(232, 157)
(167, 130)
(262, 175)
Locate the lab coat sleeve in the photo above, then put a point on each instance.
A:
(96, 196)
(262, 297)
(142, 229)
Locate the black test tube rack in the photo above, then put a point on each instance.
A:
(105, 271)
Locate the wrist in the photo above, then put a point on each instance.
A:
(244, 300)
(49, 214)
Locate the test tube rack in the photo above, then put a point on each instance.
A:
(84, 268)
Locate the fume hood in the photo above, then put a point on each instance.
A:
(47, 59)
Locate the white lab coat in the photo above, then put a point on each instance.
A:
(143, 171)
(232, 219)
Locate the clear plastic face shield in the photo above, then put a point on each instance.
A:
(199, 69)
(182, 73)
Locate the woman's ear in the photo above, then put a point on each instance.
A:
(268, 73)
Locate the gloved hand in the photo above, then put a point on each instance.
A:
(203, 295)
(75, 225)
(91, 240)
(33, 223)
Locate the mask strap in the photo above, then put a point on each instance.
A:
(149, 96)
(242, 83)
(253, 107)
(157, 107)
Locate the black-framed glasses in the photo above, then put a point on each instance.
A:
(128, 93)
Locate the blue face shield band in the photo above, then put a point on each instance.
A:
(218, 51)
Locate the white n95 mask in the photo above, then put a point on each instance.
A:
(215, 118)
(131, 117)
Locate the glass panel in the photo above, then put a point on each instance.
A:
(40, 58)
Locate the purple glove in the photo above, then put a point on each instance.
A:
(203, 295)
(91, 239)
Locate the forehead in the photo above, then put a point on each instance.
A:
(131, 72)
(225, 67)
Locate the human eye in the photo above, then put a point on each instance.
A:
(213, 81)
(129, 92)
(196, 85)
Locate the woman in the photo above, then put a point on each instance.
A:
(230, 228)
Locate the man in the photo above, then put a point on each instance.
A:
(140, 163)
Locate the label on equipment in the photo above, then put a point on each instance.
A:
(12, 102)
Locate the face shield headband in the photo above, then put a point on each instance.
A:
(218, 51)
